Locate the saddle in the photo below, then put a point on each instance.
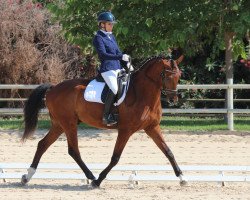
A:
(97, 89)
(121, 81)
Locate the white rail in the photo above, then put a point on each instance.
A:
(229, 110)
(214, 86)
(130, 173)
(179, 87)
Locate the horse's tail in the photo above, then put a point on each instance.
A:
(31, 109)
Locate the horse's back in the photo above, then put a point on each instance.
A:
(68, 86)
(64, 94)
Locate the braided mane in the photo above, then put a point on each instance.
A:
(145, 62)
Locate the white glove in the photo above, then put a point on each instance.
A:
(125, 57)
(130, 67)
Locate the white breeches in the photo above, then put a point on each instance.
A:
(110, 78)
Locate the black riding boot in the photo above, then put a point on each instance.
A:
(108, 118)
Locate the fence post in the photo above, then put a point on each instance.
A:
(230, 105)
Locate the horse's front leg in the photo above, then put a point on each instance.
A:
(156, 135)
(121, 142)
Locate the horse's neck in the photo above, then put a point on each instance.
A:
(149, 93)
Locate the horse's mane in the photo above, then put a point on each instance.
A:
(147, 60)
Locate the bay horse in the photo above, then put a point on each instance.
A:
(141, 110)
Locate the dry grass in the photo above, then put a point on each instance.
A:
(32, 51)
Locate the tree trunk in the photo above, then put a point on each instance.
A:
(229, 76)
(229, 51)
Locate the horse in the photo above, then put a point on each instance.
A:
(140, 110)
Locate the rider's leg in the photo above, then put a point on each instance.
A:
(110, 78)
(107, 117)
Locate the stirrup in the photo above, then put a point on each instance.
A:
(109, 120)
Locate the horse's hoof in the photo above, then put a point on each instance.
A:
(94, 184)
(183, 180)
(183, 183)
(24, 180)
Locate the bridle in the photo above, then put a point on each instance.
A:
(165, 78)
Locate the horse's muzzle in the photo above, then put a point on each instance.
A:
(171, 95)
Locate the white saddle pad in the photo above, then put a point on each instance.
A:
(94, 90)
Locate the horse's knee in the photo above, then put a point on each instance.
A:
(115, 159)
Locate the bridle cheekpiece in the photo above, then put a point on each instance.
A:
(165, 78)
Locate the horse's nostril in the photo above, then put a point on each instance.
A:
(172, 100)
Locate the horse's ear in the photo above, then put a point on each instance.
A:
(179, 60)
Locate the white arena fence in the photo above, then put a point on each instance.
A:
(229, 110)
(131, 173)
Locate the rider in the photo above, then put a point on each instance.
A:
(110, 56)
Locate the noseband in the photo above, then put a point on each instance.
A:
(166, 91)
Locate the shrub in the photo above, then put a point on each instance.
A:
(32, 51)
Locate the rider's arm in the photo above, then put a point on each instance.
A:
(100, 48)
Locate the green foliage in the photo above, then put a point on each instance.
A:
(147, 27)
(238, 49)
(78, 19)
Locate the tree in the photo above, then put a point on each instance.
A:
(146, 27)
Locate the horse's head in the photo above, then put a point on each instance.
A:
(170, 76)
(165, 74)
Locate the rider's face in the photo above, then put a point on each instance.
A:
(108, 26)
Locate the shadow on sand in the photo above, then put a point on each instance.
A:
(64, 187)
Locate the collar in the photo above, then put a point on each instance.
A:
(106, 33)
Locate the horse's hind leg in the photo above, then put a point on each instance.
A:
(74, 152)
(54, 132)
(156, 135)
